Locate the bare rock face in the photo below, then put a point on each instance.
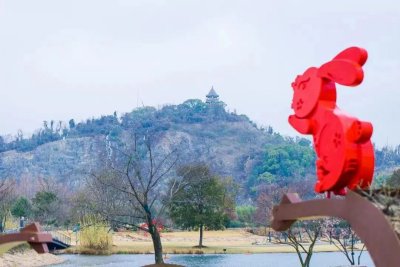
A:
(230, 148)
(63, 160)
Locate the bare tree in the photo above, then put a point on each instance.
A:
(269, 195)
(302, 236)
(340, 234)
(136, 187)
(6, 187)
(6, 197)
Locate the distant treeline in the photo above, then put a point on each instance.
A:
(146, 119)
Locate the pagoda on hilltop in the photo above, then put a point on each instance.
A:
(212, 97)
(215, 107)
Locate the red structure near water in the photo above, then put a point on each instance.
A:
(345, 156)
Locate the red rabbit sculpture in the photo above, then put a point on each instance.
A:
(345, 156)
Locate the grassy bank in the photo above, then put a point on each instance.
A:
(216, 242)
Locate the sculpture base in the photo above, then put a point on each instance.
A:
(369, 222)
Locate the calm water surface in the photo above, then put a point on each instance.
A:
(325, 259)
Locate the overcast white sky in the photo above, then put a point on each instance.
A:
(78, 59)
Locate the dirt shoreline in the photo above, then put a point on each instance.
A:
(29, 258)
(167, 250)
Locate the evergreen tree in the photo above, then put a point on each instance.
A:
(21, 207)
(394, 180)
(45, 205)
(203, 202)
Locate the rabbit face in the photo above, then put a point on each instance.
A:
(306, 92)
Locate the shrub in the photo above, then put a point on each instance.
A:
(10, 222)
(95, 234)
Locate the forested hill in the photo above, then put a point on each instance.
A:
(201, 131)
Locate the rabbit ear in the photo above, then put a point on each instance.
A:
(343, 72)
(355, 54)
(346, 67)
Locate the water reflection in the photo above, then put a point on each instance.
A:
(326, 259)
(200, 260)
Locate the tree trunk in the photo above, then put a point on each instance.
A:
(2, 224)
(201, 236)
(155, 236)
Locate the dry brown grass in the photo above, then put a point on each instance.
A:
(9, 246)
(217, 242)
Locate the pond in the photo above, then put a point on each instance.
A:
(322, 259)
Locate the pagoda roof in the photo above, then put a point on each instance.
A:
(212, 93)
